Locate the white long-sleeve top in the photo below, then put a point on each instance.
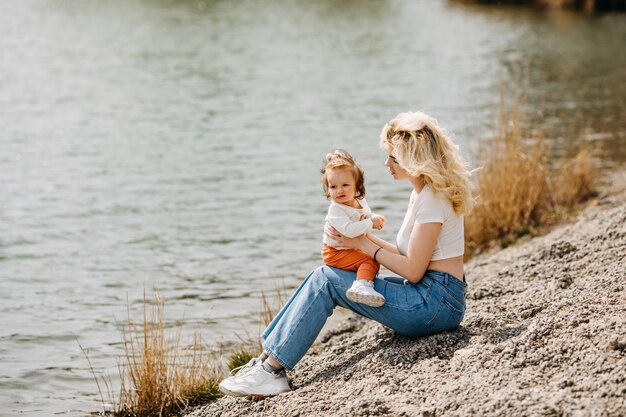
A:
(347, 221)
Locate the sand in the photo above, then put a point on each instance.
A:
(544, 335)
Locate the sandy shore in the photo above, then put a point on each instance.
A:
(544, 335)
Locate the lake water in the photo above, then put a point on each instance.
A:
(176, 145)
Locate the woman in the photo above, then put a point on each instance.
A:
(429, 294)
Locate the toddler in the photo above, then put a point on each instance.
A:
(349, 214)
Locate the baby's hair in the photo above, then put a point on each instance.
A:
(340, 159)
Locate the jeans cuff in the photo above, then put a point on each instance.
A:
(271, 353)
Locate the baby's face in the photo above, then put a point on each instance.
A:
(341, 185)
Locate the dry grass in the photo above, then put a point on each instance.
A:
(271, 308)
(574, 181)
(160, 377)
(519, 189)
(252, 346)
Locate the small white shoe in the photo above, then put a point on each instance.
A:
(362, 291)
(256, 382)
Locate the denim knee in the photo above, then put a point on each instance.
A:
(337, 278)
(318, 279)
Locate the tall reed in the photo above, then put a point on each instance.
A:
(575, 180)
(160, 376)
(519, 187)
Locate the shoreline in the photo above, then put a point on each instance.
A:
(586, 6)
(544, 334)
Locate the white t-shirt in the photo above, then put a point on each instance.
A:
(347, 221)
(426, 207)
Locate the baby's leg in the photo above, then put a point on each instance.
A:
(362, 290)
(368, 269)
(348, 259)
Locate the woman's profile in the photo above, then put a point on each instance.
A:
(428, 294)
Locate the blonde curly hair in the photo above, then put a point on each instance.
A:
(424, 150)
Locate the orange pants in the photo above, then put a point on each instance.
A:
(351, 260)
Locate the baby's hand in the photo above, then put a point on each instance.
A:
(379, 222)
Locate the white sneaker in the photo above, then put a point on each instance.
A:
(362, 291)
(240, 370)
(255, 381)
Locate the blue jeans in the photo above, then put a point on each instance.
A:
(436, 303)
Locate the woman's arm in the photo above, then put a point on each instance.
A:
(411, 266)
(382, 243)
(418, 255)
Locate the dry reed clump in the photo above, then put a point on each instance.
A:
(160, 377)
(518, 189)
(575, 180)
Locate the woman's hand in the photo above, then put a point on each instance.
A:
(346, 242)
